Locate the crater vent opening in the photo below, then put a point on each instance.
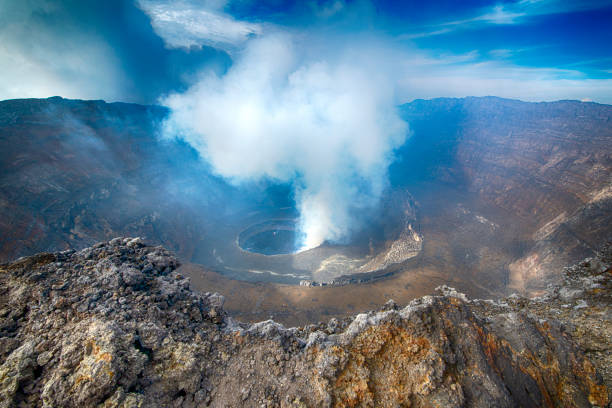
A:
(271, 237)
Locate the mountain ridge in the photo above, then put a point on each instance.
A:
(503, 197)
(487, 97)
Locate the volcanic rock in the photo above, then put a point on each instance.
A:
(114, 325)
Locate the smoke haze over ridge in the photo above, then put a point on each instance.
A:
(324, 123)
(276, 78)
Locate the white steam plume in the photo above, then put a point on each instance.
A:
(329, 125)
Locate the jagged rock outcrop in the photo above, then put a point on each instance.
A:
(115, 325)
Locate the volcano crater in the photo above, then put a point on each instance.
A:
(270, 237)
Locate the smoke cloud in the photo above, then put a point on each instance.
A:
(326, 123)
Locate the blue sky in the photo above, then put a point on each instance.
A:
(143, 50)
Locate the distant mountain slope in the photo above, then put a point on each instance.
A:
(534, 160)
(548, 165)
(77, 172)
(74, 172)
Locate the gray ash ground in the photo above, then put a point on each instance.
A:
(115, 325)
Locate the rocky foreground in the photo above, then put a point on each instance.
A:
(114, 325)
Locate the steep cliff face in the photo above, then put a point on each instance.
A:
(535, 160)
(115, 325)
(67, 165)
(545, 166)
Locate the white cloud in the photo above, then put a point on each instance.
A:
(36, 62)
(321, 113)
(327, 123)
(184, 24)
(433, 77)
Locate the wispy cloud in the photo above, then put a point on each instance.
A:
(506, 53)
(423, 73)
(185, 24)
(327, 9)
(543, 7)
(582, 63)
(507, 14)
(502, 53)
